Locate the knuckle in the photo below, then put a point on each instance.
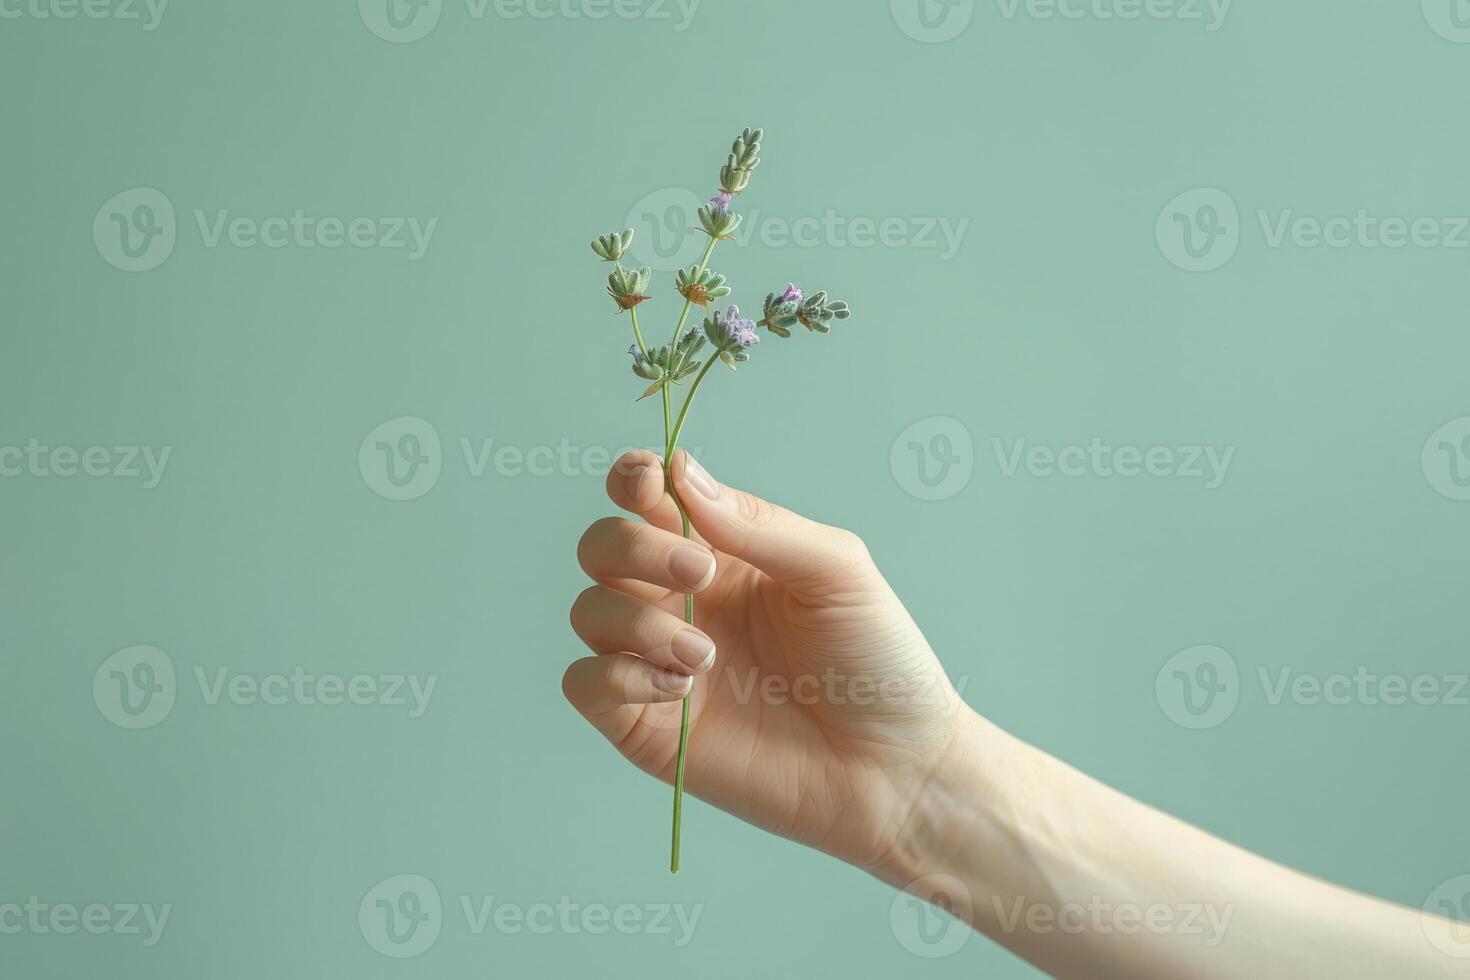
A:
(753, 510)
(644, 623)
(852, 543)
(849, 548)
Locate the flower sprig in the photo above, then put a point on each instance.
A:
(729, 335)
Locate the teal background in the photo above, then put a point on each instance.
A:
(1056, 600)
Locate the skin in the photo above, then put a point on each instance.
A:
(824, 716)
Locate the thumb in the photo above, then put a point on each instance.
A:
(800, 553)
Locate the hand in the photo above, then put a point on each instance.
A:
(818, 710)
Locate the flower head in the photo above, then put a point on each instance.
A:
(700, 287)
(739, 332)
(626, 286)
(792, 294)
(721, 200)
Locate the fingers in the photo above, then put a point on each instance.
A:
(615, 549)
(800, 553)
(612, 622)
(609, 691)
(636, 484)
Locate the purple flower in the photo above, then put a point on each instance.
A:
(792, 294)
(721, 201)
(741, 332)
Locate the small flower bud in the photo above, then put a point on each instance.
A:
(611, 248)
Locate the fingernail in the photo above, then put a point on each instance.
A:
(667, 680)
(635, 480)
(695, 476)
(694, 650)
(691, 567)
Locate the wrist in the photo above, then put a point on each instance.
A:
(961, 823)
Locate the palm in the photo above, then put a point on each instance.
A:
(820, 717)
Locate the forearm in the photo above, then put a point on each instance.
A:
(1084, 881)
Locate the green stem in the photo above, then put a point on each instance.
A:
(638, 334)
(684, 314)
(671, 443)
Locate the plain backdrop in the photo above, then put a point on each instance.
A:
(1055, 144)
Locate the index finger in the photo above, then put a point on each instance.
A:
(636, 483)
